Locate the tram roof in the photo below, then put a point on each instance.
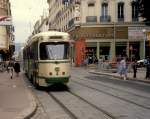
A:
(51, 33)
(47, 34)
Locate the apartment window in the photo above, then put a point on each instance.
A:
(104, 9)
(91, 9)
(121, 11)
(134, 11)
(91, 5)
(3, 4)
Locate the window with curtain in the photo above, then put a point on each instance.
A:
(121, 11)
(104, 9)
(91, 9)
(134, 11)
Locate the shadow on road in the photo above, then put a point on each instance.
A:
(57, 87)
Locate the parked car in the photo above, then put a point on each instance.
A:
(141, 63)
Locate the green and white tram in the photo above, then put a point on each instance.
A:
(47, 58)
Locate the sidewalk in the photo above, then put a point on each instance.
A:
(16, 100)
(140, 74)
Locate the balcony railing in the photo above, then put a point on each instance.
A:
(135, 19)
(120, 19)
(105, 18)
(90, 19)
(71, 22)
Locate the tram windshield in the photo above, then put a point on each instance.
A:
(54, 50)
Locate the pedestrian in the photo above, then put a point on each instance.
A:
(134, 66)
(123, 68)
(119, 58)
(86, 61)
(17, 68)
(147, 68)
(10, 68)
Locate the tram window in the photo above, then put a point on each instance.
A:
(43, 55)
(34, 51)
(52, 51)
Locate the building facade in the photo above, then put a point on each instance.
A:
(6, 31)
(41, 25)
(110, 28)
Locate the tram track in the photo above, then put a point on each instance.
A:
(113, 95)
(104, 85)
(97, 83)
(94, 106)
(134, 94)
(73, 114)
(83, 105)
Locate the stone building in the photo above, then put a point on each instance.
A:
(6, 31)
(110, 28)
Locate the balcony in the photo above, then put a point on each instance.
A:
(121, 19)
(91, 19)
(105, 18)
(71, 22)
(135, 19)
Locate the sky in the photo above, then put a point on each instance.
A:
(24, 15)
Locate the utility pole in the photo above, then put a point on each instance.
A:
(113, 44)
(30, 19)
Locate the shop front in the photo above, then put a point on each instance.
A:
(139, 45)
(101, 42)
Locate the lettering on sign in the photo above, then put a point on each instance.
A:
(95, 35)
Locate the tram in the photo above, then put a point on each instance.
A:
(46, 58)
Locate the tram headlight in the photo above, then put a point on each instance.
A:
(50, 73)
(63, 73)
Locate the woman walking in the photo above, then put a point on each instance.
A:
(17, 68)
(123, 68)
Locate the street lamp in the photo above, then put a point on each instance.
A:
(144, 32)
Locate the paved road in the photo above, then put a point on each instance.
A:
(93, 96)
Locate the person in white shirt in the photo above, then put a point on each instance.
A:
(123, 68)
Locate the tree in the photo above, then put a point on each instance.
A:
(144, 10)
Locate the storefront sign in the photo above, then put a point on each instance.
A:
(5, 20)
(136, 33)
(5, 23)
(3, 38)
(93, 32)
(94, 35)
(148, 36)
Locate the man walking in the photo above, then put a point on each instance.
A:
(147, 68)
(134, 66)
